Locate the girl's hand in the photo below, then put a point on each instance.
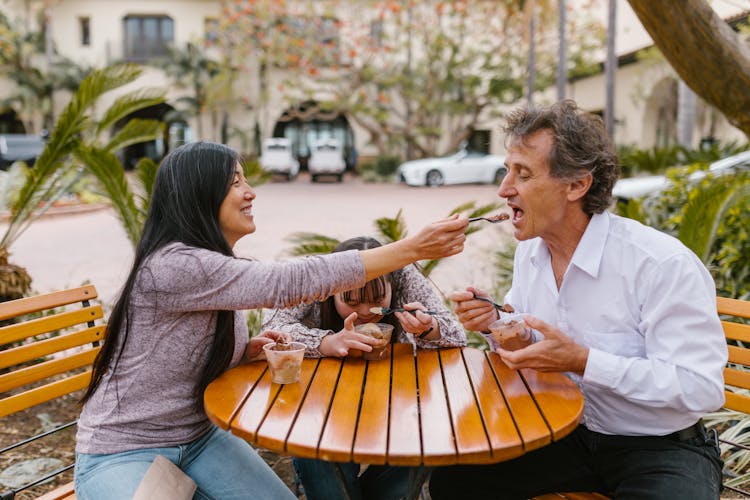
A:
(418, 323)
(338, 344)
(255, 345)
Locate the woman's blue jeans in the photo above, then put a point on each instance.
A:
(382, 482)
(223, 466)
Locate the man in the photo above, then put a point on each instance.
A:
(628, 312)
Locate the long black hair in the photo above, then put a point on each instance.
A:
(373, 291)
(191, 184)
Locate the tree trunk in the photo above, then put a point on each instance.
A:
(704, 50)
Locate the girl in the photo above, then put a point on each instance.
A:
(327, 328)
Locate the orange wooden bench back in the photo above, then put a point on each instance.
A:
(737, 372)
(49, 354)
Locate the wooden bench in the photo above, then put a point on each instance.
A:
(45, 356)
(737, 372)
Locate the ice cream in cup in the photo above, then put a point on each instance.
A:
(510, 332)
(285, 361)
(380, 331)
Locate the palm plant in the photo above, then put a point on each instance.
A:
(74, 145)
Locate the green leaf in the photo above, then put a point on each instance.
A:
(145, 171)
(135, 131)
(391, 229)
(704, 212)
(129, 103)
(311, 243)
(111, 176)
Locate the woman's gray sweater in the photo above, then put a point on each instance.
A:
(149, 400)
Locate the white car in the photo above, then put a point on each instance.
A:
(277, 157)
(326, 158)
(636, 187)
(463, 167)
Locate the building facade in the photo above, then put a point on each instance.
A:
(94, 33)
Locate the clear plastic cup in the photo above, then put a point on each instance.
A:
(285, 361)
(510, 332)
(380, 331)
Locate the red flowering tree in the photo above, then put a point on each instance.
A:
(418, 74)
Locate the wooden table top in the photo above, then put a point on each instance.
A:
(442, 407)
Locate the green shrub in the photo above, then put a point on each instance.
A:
(386, 166)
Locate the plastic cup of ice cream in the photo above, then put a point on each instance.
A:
(285, 361)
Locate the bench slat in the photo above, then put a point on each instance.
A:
(42, 348)
(736, 331)
(33, 397)
(737, 402)
(29, 305)
(733, 307)
(64, 492)
(739, 355)
(737, 378)
(30, 374)
(47, 324)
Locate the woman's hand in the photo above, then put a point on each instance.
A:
(418, 323)
(437, 240)
(338, 344)
(476, 315)
(442, 238)
(255, 345)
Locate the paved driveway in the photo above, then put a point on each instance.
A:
(65, 251)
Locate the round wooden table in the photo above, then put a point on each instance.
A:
(440, 407)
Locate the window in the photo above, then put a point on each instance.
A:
(84, 24)
(147, 37)
(211, 29)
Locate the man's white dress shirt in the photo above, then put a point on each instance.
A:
(645, 306)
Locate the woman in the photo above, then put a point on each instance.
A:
(327, 328)
(177, 325)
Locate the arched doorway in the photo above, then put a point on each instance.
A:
(176, 133)
(307, 122)
(9, 122)
(660, 120)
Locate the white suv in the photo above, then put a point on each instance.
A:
(326, 158)
(277, 157)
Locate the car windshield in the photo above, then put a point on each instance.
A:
(277, 147)
(327, 147)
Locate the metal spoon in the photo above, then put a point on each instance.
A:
(498, 306)
(491, 218)
(382, 311)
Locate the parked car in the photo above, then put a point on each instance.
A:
(19, 147)
(462, 167)
(636, 187)
(326, 158)
(277, 157)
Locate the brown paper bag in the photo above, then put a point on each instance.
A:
(165, 481)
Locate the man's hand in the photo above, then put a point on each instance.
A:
(556, 352)
(476, 315)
